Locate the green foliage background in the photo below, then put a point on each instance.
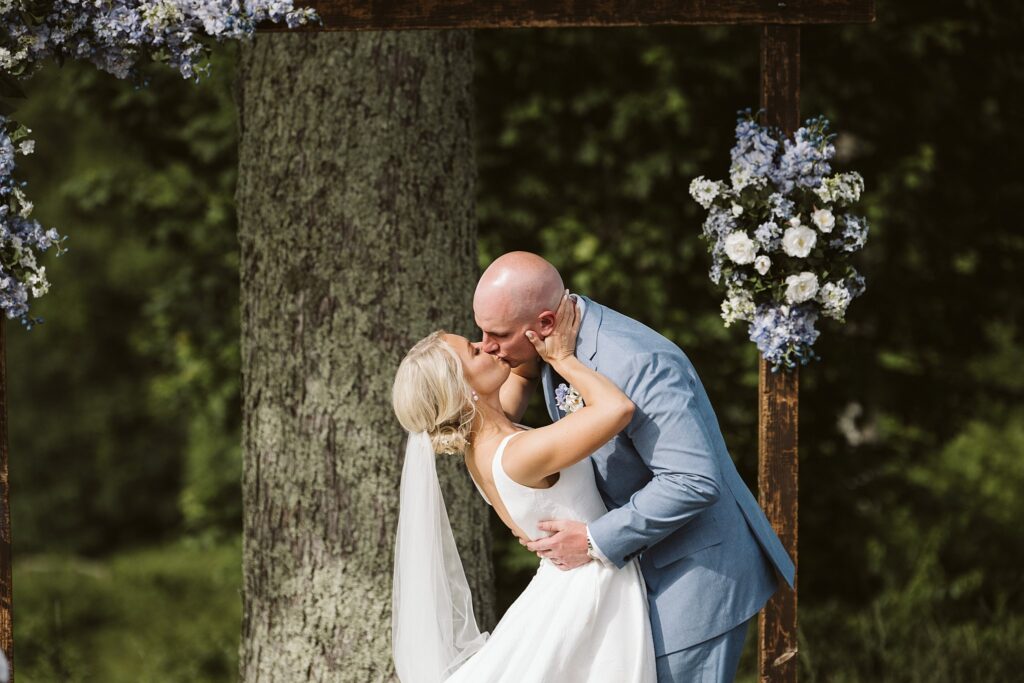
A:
(124, 405)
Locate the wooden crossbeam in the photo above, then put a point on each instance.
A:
(356, 15)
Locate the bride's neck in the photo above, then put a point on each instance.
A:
(490, 420)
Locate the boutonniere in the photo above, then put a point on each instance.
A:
(568, 399)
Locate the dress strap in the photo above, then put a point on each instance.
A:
(498, 467)
(504, 442)
(497, 454)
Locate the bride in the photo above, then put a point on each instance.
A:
(588, 625)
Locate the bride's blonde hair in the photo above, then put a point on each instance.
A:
(432, 395)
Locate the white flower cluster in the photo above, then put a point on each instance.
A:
(780, 236)
(21, 237)
(738, 305)
(705, 191)
(843, 189)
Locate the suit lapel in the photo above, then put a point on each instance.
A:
(586, 338)
(548, 383)
(586, 351)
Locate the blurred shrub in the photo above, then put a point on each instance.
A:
(170, 614)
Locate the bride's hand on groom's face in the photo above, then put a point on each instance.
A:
(561, 343)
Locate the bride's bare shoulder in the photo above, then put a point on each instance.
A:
(518, 463)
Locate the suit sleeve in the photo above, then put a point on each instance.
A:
(676, 444)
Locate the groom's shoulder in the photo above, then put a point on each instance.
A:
(626, 337)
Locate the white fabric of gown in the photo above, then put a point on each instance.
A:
(586, 625)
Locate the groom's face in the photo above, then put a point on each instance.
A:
(507, 339)
(508, 342)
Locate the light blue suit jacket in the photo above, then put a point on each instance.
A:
(708, 554)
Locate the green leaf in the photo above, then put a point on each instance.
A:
(19, 133)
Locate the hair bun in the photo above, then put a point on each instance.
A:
(449, 440)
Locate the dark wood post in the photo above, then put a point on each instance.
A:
(778, 392)
(6, 594)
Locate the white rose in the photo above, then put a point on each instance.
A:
(740, 248)
(795, 221)
(824, 219)
(798, 241)
(802, 287)
(762, 263)
(737, 210)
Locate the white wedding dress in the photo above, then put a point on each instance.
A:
(586, 625)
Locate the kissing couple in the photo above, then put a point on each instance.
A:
(654, 555)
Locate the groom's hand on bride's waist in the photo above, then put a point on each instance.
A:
(566, 548)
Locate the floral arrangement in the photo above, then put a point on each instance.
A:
(568, 399)
(117, 36)
(781, 236)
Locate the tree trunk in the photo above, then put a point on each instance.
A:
(355, 203)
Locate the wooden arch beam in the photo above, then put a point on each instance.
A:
(357, 15)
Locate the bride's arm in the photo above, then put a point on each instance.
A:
(517, 390)
(544, 451)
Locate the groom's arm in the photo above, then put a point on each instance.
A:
(675, 443)
(517, 390)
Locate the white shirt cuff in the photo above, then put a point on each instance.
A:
(597, 550)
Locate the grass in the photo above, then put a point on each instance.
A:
(159, 615)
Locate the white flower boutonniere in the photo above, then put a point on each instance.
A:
(568, 399)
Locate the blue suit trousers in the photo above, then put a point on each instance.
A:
(713, 661)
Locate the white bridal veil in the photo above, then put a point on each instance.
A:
(433, 629)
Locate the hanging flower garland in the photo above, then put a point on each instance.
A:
(781, 236)
(117, 36)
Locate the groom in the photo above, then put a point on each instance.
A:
(707, 552)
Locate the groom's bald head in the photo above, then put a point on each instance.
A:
(517, 286)
(519, 291)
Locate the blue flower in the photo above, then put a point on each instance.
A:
(805, 159)
(856, 283)
(781, 207)
(785, 334)
(719, 223)
(854, 234)
(769, 235)
(753, 154)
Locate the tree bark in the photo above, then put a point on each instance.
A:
(355, 203)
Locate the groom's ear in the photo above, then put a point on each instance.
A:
(546, 323)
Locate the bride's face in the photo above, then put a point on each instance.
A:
(484, 372)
